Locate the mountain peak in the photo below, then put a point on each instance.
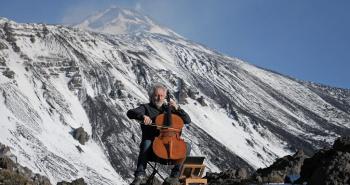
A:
(116, 20)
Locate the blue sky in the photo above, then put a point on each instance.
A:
(305, 39)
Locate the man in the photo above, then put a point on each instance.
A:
(146, 113)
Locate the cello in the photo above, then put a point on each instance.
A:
(168, 146)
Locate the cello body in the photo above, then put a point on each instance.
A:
(168, 145)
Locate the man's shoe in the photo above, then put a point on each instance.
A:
(175, 174)
(140, 179)
(171, 181)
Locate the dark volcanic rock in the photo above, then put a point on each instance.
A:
(3, 46)
(79, 181)
(7, 163)
(9, 74)
(229, 177)
(192, 93)
(182, 94)
(342, 144)
(171, 181)
(11, 173)
(75, 82)
(11, 178)
(328, 167)
(80, 135)
(202, 101)
(282, 168)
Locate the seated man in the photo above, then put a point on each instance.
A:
(146, 113)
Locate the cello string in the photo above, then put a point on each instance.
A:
(154, 125)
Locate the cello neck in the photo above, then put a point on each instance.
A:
(167, 120)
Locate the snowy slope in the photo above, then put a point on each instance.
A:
(65, 78)
(37, 120)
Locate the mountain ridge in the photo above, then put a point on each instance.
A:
(115, 20)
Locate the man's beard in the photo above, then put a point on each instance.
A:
(158, 104)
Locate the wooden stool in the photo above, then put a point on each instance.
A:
(192, 170)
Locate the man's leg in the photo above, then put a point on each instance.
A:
(140, 173)
(175, 172)
(145, 148)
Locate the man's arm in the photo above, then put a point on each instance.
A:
(137, 113)
(185, 117)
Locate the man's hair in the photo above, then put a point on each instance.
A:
(154, 88)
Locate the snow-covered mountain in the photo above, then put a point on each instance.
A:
(116, 20)
(55, 79)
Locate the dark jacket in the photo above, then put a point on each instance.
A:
(150, 132)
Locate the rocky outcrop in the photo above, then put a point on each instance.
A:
(79, 181)
(282, 169)
(80, 135)
(11, 173)
(229, 177)
(202, 101)
(328, 166)
(118, 90)
(171, 181)
(75, 82)
(342, 144)
(10, 36)
(9, 74)
(182, 94)
(192, 93)
(3, 46)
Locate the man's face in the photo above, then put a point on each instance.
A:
(159, 97)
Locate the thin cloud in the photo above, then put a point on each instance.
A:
(138, 7)
(75, 13)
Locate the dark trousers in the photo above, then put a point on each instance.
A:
(145, 154)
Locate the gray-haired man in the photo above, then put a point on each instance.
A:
(146, 113)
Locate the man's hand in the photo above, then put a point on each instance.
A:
(147, 120)
(173, 104)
